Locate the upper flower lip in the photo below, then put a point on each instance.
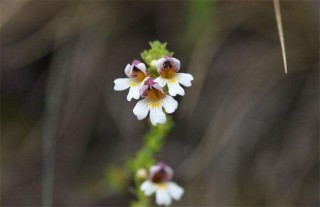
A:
(135, 62)
(161, 172)
(148, 85)
(130, 69)
(175, 63)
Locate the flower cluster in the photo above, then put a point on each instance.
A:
(159, 182)
(156, 93)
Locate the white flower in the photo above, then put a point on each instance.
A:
(160, 183)
(137, 74)
(154, 100)
(168, 68)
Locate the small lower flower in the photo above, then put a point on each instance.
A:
(137, 75)
(160, 183)
(154, 100)
(168, 68)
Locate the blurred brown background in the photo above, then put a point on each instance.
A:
(246, 134)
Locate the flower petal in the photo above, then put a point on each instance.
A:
(154, 169)
(142, 67)
(175, 88)
(159, 64)
(148, 188)
(163, 197)
(141, 109)
(127, 70)
(169, 104)
(134, 92)
(175, 190)
(121, 84)
(185, 79)
(162, 82)
(158, 87)
(176, 63)
(143, 90)
(157, 116)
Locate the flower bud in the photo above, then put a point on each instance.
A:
(142, 174)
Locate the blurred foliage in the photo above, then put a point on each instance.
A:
(117, 178)
(153, 142)
(198, 15)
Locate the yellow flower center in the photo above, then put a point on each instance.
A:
(163, 185)
(167, 73)
(140, 76)
(134, 83)
(154, 104)
(155, 94)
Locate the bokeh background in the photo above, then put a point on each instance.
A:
(245, 133)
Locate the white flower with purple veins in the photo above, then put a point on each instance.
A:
(160, 183)
(154, 100)
(168, 68)
(137, 74)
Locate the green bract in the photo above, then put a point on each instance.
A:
(157, 51)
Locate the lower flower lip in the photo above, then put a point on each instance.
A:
(162, 185)
(167, 73)
(155, 95)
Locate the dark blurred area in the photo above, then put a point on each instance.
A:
(246, 133)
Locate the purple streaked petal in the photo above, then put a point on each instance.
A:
(161, 172)
(159, 64)
(144, 91)
(158, 87)
(142, 67)
(135, 62)
(176, 64)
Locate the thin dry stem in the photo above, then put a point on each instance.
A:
(276, 4)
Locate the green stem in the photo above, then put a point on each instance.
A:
(146, 157)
